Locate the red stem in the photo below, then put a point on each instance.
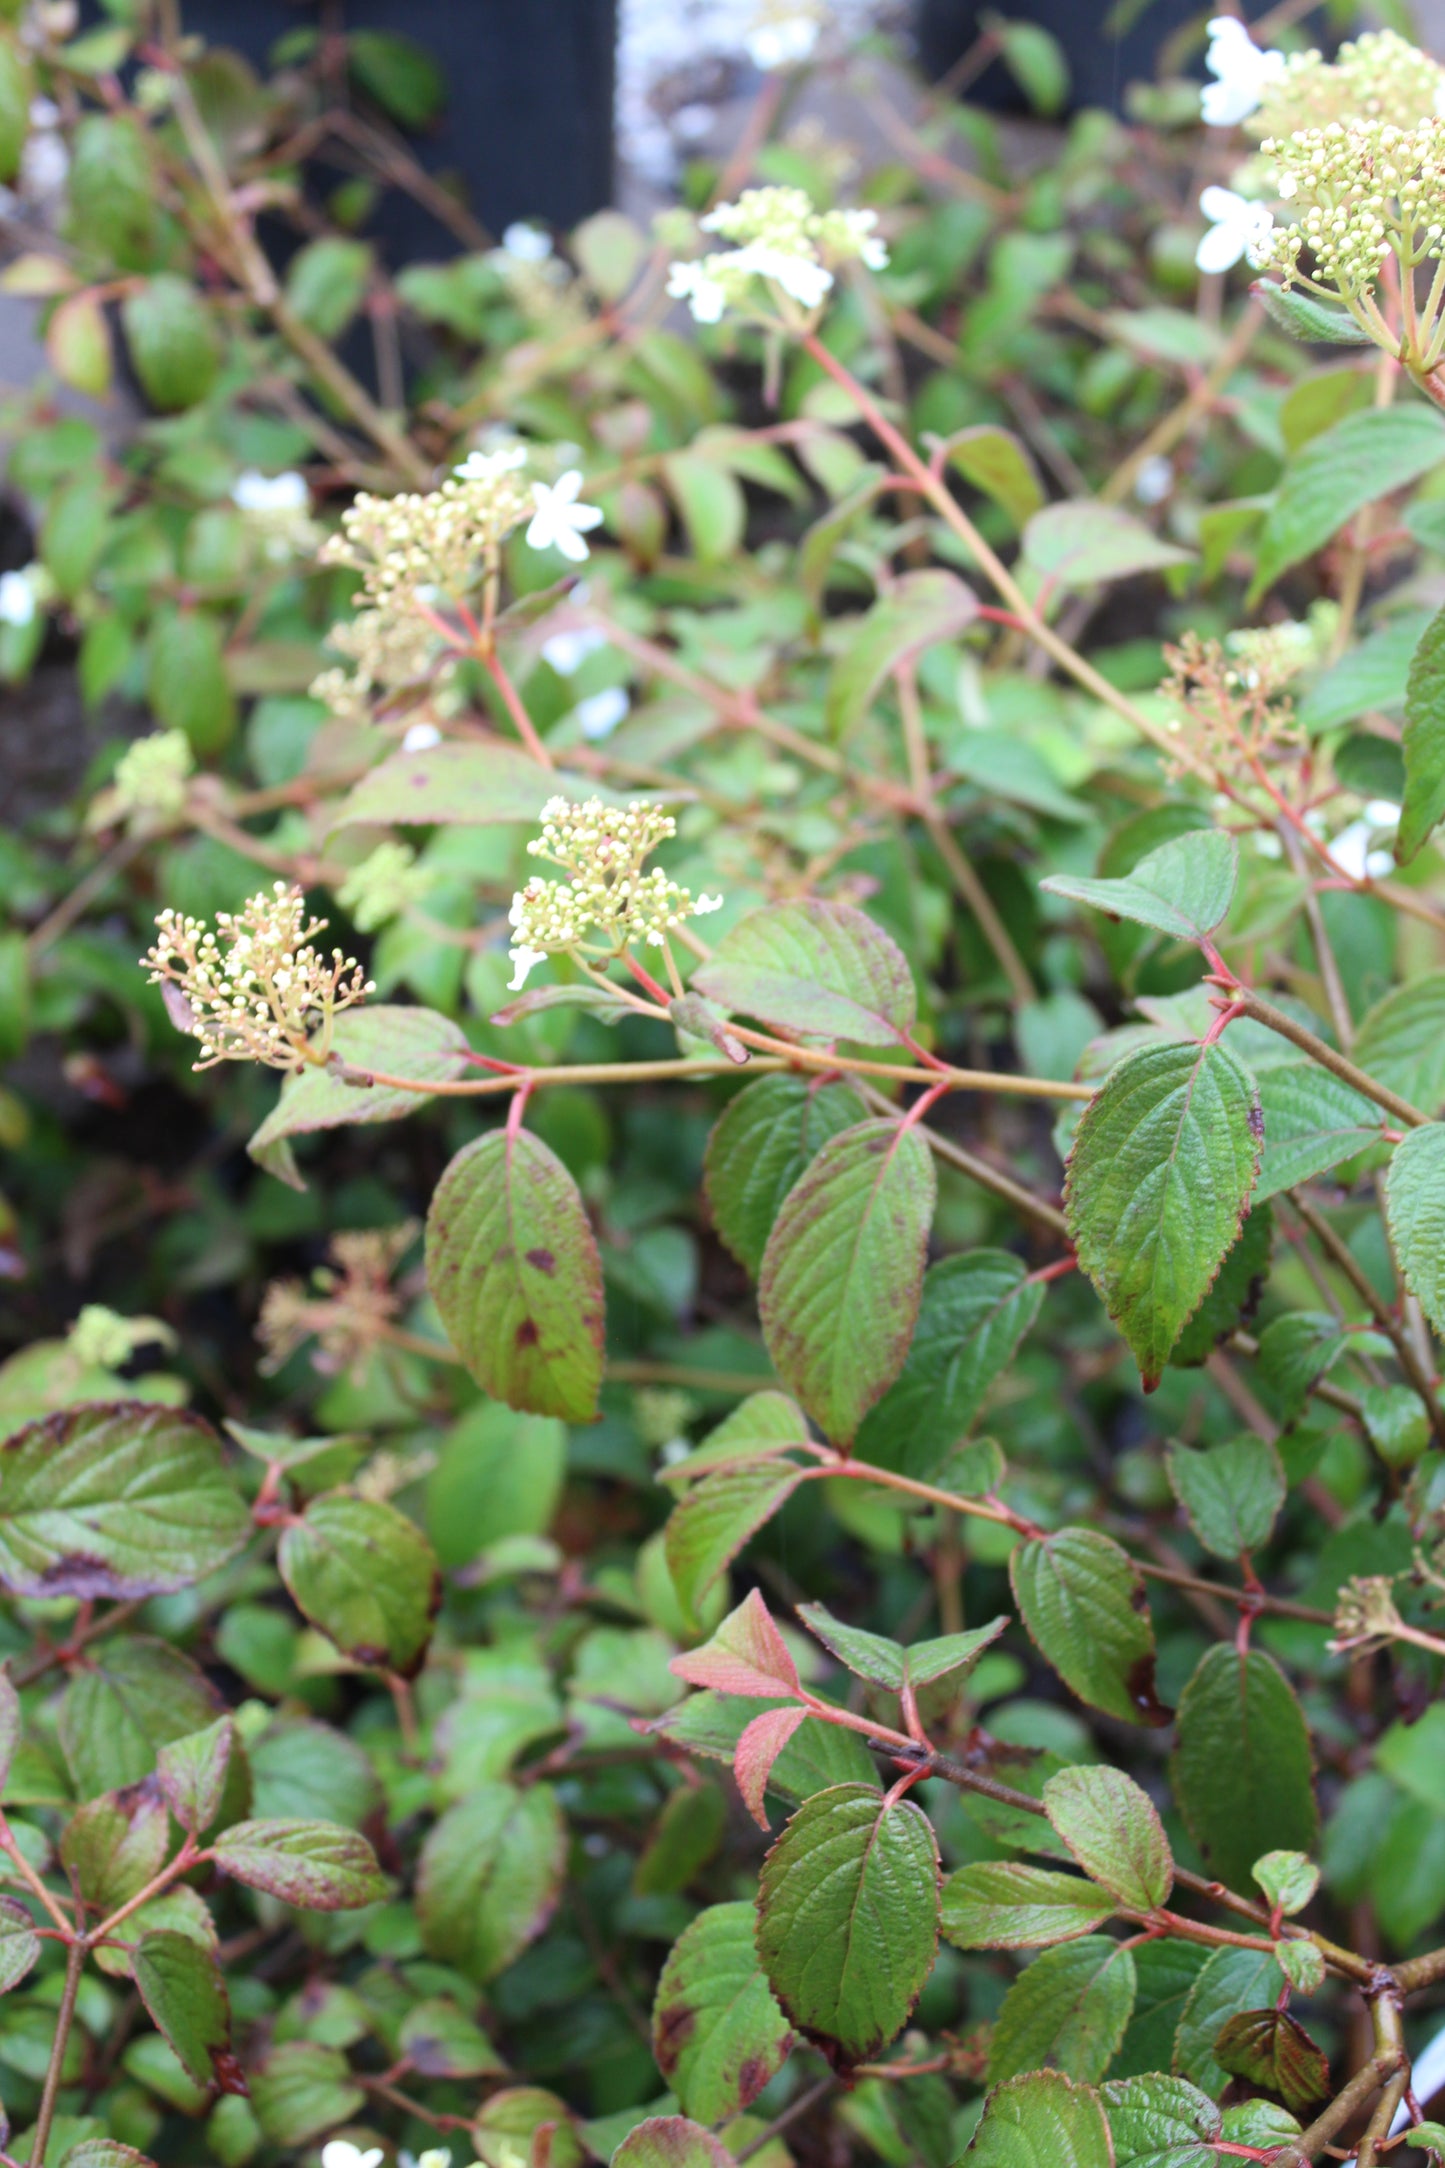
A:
(513, 702)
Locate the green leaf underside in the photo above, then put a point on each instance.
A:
(817, 1755)
(973, 1312)
(996, 462)
(490, 1877)
(1007, 1905)
(1305, 318)
(1113, 1830)
(718, 1517)
(1184, 888)
(1423, 742)
(842, 1273)
(1311, 1122)
(513, 1268)
(920, 610)
(1068, 2010)
(1364, 457)
(1079, 544)
(472, 784)
(1043, 2120)
(401, 1041)
(1415, 1209)
(1158, 1180)
(823, 969)
(718, 2035)
(367, 1576)
(761, 1427)
(1229, 1981)
(759, 1147)
(1231, 1492)
(1242, 1765)
(1085, 1608)
(117, 1499)
(19, 1943)
(848, 1918)
(1401, 1041)
(1161, 2122)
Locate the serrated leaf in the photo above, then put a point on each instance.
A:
(1161, 2122)
(919, 611)
(1084, 1605)
(407, 1042)
(1069, 2009)
(117, 1499)
(1184, 888)
(1311, 1122)
(1294, 1352)
(824, 969)
(1231, 1492)
(301, 2091)
(1114, 1832)
(1242, 1765)
(1043, 2120)
(718, 2035)
(318, 1865)
(366, 1575)
(746, 1655)
(477, 783)
(1316, 322)
(133, 1696)
(973, 1312)
(441, 2041)
(817, 1755)
(513, 1268)
(843, 1272)
(762, 1427)
(1374, 675)
(868, 1656)
(671, 2141)
(1229, 1981)
(1235, 1294)
(848, 1918)
(1082, 543)
(11, 1725)
(1415, 1211)
(762, 1741)
(1001, 465)
(192, 1771)
(490, 1876)
(719, 1515)
(1268, 2048)
(186, 1998)
(1302, 1964)
(173, 341)
(19, 1944)
(1401, 1041)
(1167, 1972)
(1159, 1177)
(1423, 743)
(1005, 1905)
(1363, 458)
(764, 1139)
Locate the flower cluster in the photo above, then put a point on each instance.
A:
(408, 546)
(348, 1307)
(1232, 705)
(1377, 77)
(1357, 191)
(1366, 1616)
(277, 509)
(384, 885)
(150, 785)
(785, 248)
(255, 989)
(603, 848)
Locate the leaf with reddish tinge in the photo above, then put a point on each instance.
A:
(513, 1268)
(718, 2035)
(747, 1655)
(366, 1575)
(186, 1997)
(318, 1865)
(476, 783)
(759, 1146)
(671, 2141)
(823, 969)
(1269, 2049)
(759, 1747)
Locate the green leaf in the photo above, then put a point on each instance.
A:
(367, 1576)
(473, 783)
(326, 283)
(11, 1725)
(974, 1311)
(1376, 674)
(186, 1999)
(1229, 1981)
(887, 1663)
(132, 1696)
(1043, 2120)
(1424, 743)
(407, 1042)
(441, 2041)
(301, 2091)
(173, 342)
(671, 2141)
(1311, 1122)
(1231, 1493)
(1161, 2122)
(718, 2036)
(718, 1517)
(1236, 1291)
(1034, 57)
(1085, 1608)
(848, 1918)
(685, 1837)
(1294, 1352)
(19, 1943)
(314, 1864)
(15, 95)
(823, 969)
(1167, 1972)
(114, 196)
(1363, 458)
(78, 346)
(192, 1772)
(1415, 1211)
(513, 1268)
(1159, 1176)
(1082, 543)
(1069, 2009)
(764, 1139)
(1241, 1767)
(402, 76)
(116, 1499)
(1114, 1832)
(711, 504)
(186, 680)
(842, 1273)
(490, 1876)
(919, 611)
(1401, 1042)
(1184, 888)
(1288, 1880)
(1004, 1905)
(1302, 1964)
(1001, 465)
(1269, 2049)
(1316, 322)
(762, 1427)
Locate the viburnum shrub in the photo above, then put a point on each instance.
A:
(794, 1509)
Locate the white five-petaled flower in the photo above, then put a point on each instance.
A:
(340, 2153)
(253, 491)
(561, 521)
(529, 244)
(704, 295)
(1238, 227)
(489, 466)
(599, 716)
(523, 960)
(17, 598)
(1242, 70)
(782, 41)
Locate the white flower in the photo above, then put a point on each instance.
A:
(704, 295)
(257, 492)
(529, 244)
(599, 716)
(421, 738)
(523, 961)
(567, 651)
(561, 521)
(340, 2153)
(17, 598)
(436, 2156)
(1355, 849)
(1154, 480)
(706, 904)
(784, 41)
(1242, 70)
(490, 466)
(808, 281)
(1239, 227)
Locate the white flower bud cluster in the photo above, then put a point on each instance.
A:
(1378, 76)
(255, 989)
(384, 885)
(603, 848)
(784, 246)
(401, 545)
(277, 509)
(1358, 191)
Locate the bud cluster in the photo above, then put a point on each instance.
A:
(1358, 191)
(347, 1306)
(603, 848)
(404, 546)
(1232, 705)
(255, 989)
(1379, 76)
(151, 782)
(784, 246)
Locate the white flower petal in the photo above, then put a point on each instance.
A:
(599, 716)
(421, 738)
